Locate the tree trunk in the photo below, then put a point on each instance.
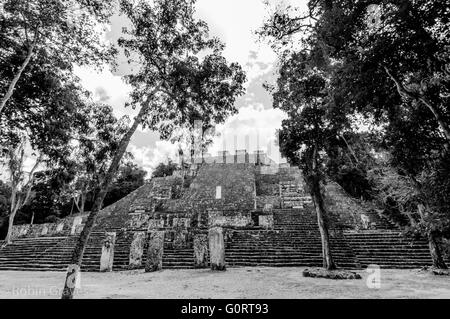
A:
(435, 251)
(13, 210)
(17, 76)
(313, 182)
(350, 148)
(32, 219)
(12, 215)
(328, 262)
(83, 201)
(192, 148)
(77, 256)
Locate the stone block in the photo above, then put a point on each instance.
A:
(75, 224)
(107, 257)
(44, 230)
(265, 221)
(236, 219)
(23, 231)
(200, 250)
(155, 251)
(268, 207)
(216, 248)
(137, 220)
(180, 238)
(155, 223)
(365, 220)
(137, 249)
(59, 227)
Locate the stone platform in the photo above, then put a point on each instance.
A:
(265, 216)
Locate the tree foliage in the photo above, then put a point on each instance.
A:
(390, 66)
(49, 31)
(181, 71)
(163, 169)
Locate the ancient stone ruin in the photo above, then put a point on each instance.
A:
(225, 211)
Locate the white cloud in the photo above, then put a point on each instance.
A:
(235, 23)
(106, 87)
(150, 157)
(253, 124)
(253, 128)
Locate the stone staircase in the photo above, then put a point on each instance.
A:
(54, 253)
(178, 258)
(44, 253)
(294, 241)
(388, 249)
(292, 195)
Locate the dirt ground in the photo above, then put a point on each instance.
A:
(243, 282)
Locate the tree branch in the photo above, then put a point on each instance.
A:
(407, 94)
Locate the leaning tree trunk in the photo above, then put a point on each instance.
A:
(12, 215)
(83, 202)
(17, 76)
(77, 256)
(435, 252)
(322, 221)
(313, 182)
(15, 204)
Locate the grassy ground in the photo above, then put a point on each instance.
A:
(233, 283)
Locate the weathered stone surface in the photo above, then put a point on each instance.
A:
(59, 227)
(265, 221)
(76, 223)
(236, 181)
(216, 248)
(263, 202)
(19, 231)
(24, 230)
(107, 258)
(155, 251)
(137, 249)
(44, 230)
(155, 223)
(180, 238)
(365, 221)
(200, 250)
(181, 222)
(233, 219)
(138, 220)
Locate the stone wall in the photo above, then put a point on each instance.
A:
(263, 202)
(125, 212)
(237, 182)
(72, 225)
(230, 219)
(346, 210)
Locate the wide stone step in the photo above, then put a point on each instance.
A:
(14, 268)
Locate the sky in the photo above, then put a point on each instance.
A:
(235, 23)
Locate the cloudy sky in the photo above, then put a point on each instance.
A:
(234, 22)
